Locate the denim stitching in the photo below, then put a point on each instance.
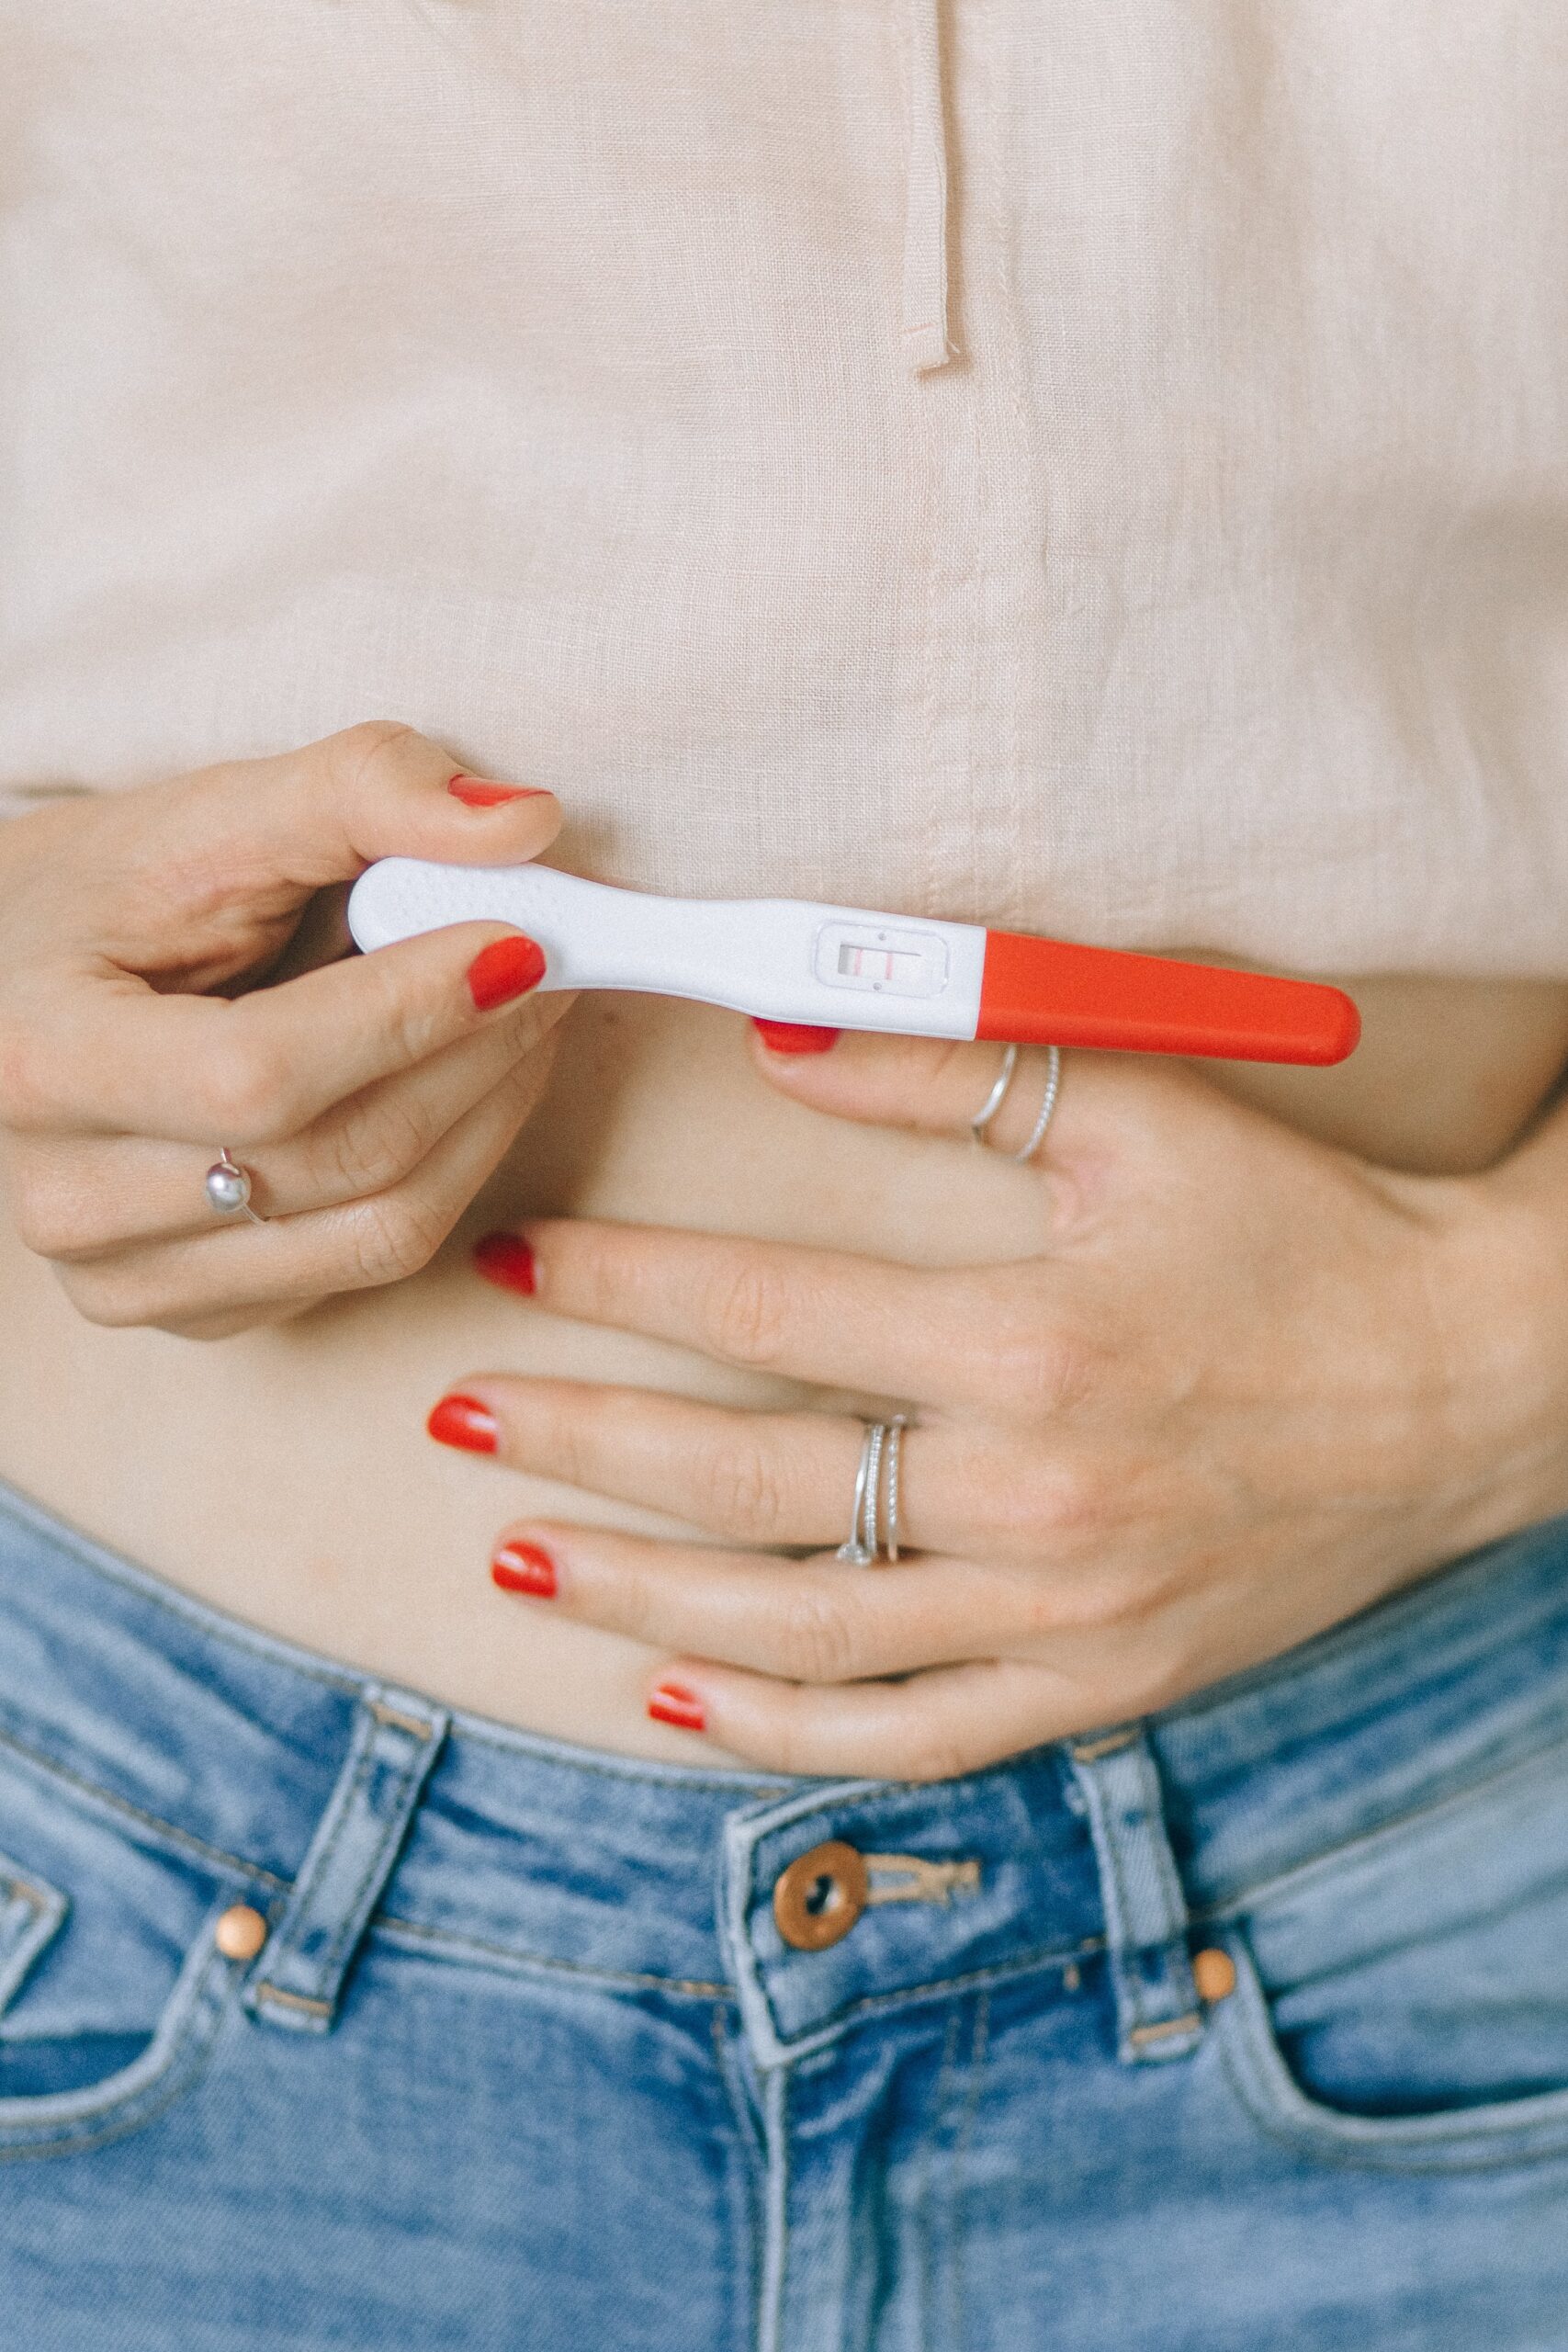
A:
(283, 1657)
(182, 1837)
(393, 1831)
(385, 1715)
(923, 2177)
(286, 1945)
(1000, 1972)
(979, 2050)
(695, 1985)
(265, 1991)
(770, 2328)
(1455, 1799)
(99, 1557)
(1447, 2151)
(1416, 1600)
(188, 2043)
(752, 2162)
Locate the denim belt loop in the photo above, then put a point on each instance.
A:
(1158, 2015)
(300, 1971)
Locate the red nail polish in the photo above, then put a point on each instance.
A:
(507, 967)
(793, 1036)
(464, 1422)
(506, 1258)
(523, 1567)
(671, 1703)
(478, 792)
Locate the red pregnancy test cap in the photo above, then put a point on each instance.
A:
(1046, 993)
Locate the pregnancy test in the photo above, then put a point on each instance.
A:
(849, 967)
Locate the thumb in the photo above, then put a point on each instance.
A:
(323, 813)
(203, 877)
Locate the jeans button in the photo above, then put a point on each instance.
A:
(821, 1894)
(241, 1932)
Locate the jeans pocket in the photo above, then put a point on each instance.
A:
(111, 1985)
(1404, 2001)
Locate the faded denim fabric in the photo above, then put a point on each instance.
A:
(524, 2061)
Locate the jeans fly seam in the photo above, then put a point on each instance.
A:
(776, 2243)
(753, 2162)
(184, 1839)
(979, 2050)
(922, 2196)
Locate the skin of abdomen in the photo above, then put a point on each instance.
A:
(284, 1475)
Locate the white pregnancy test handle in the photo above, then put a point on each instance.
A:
(785, 959)
(849, 967)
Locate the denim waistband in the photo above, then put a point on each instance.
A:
(242, 1749)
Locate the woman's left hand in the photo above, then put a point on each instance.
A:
(1246, 1386)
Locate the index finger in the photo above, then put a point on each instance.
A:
(119, 1057)
(826, 1316)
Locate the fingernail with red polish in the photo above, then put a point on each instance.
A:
(478, 792)
(507, 967)
(464, 1422)
(671, 1703)
(523, 1567)
(506, 1258)
(793, 1036)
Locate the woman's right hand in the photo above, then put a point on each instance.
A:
(145, 1023)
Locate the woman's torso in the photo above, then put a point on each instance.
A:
(286, 1478)
(557, 378)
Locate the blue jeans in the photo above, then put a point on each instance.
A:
(547, 2049)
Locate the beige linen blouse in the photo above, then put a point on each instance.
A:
(1100, 466)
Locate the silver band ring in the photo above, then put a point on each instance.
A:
(1048, 1103)
(895, 1446)
(993, 1101)
(996, 1098)
(859, 1547)
(873, 1527)
(229, 1188)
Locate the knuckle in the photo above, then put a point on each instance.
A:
(374, 1144)
(1057, 1512)
(819, 1639)
(745, 1312)
(741, 1489)
(1042, 1375)
(368, 741)
(249, 1091)
(395, 1235)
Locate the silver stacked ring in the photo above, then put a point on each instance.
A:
(874, 1525)
(997, 1096)
(229, 1188)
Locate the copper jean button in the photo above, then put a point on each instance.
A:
(818, 1898)
(241, 1932)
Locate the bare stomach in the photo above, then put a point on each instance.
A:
(285, 1478)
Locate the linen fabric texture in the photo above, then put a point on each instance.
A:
(1100, 468)
(524, 2060)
